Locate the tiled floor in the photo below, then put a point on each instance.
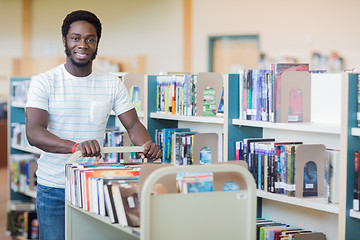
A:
(4, 197)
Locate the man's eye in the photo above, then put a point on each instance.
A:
(90, 40)
(75, 39)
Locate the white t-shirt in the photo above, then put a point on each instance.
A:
(79, 108)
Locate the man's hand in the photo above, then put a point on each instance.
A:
(151, 150)
(89, 148)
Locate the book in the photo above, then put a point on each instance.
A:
(248, 81)
(309, 236)
(135, 97)
(251, 157)
(100, 172)
(194, 182)
(295, 100)
(109, 203)
(167, 142)
(333, 163)
(127, 203)
(220, 109)
(356, 182)
(209, 104)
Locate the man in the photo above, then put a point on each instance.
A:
(67, 110)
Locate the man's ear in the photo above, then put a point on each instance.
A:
(64, 41)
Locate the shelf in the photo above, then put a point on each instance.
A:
(140, 114)
(27, 149)
(30, 193)
(354, 214)
(130, 230)
(304, 127)
(200, 119)
(316, 203)
(18, 105)
(355, 132)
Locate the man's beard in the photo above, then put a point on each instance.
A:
(77, 64)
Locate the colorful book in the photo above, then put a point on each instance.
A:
(209, 102)
(295, 99)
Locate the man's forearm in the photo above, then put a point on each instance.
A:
(46, 141)
(138, 134)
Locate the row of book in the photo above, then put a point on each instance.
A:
(178, 144)
(260, 94)
(112, 189)
(22, 220)
(273, 166)
(23, 172)
(113, 137)
(19, 135)
(170, 140)
(176, 94)
(18, 91)
(97, 188)
(272, 230)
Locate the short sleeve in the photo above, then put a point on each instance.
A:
(122, 101)
(39, 92)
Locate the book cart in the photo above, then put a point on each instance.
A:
(207, 215)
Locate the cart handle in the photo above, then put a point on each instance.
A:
(129, 149)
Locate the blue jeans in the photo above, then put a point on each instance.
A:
(50, 207)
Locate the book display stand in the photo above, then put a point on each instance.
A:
(204, 80)
(305, 154)
(299, 80)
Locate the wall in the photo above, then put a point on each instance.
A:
(139, 27)
(294, 28)
(154, 28)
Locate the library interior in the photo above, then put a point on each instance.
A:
(255, 106)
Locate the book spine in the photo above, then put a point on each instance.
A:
(356, 182)
(248, 94)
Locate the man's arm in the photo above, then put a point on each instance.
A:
(38, 136)
(139, 135)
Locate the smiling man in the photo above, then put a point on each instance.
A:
(67, 110)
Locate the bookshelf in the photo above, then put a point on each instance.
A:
(350, 219)
(199, 123)
(337, 221)
(16, 114)
(308, 211)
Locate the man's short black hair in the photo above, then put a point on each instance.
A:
(81, 15)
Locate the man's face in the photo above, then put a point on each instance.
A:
(81, 43)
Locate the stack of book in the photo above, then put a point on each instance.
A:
(272, 230)
(106, 189)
